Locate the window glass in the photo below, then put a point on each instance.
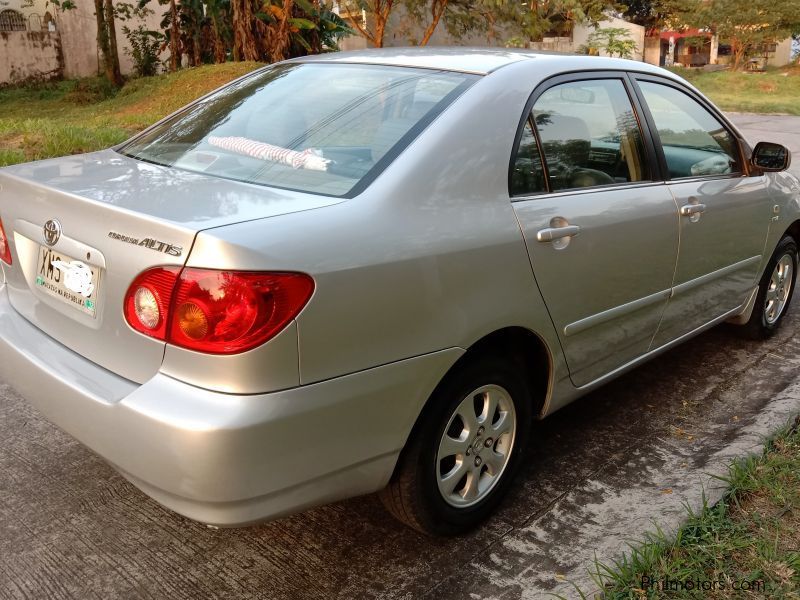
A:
(589, 135)
(527, 176)
(695, 143)
(318, 128)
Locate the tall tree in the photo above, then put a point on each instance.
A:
(107, 40)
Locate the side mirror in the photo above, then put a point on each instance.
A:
(771, 157)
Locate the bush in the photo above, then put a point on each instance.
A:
(144, 49)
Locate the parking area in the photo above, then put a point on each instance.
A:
(596, 475)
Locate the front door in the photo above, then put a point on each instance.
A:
(724, 214)
(601, 232)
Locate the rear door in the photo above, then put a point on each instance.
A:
(600, 228)
(724, 212)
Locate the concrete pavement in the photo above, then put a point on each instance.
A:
(596, 475)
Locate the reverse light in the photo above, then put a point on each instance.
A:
(147, 301)
(215, 312)
(5, 248)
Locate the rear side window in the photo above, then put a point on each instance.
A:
(320, 128)
(589, 135)
(695, 143)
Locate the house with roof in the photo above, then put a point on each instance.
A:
(697, 48)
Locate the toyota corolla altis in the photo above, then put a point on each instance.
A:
(371, 271)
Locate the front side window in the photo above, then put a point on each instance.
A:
(590, 135)
(319, 128)
(695, 143)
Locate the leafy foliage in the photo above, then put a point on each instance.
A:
(144, 49)
(614, 41)
(205, 31)
(528, 21)
(746, 24)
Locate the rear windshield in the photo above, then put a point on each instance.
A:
(321, 128)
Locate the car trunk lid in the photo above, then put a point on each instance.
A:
(115, 217)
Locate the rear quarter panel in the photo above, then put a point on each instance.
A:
(429, 257)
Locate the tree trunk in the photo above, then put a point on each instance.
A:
(437, 10)
(315, 42)
(102, 32)
(738, 53)
(107, 41)
(245, 46)
(113, 71)
(197, 49)
(174, 33)
(219, 44)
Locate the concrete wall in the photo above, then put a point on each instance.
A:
(29, 56)
(783, 54)
(78, 30)
(79, 39)
(652, 50)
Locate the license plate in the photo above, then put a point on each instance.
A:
(68, 279)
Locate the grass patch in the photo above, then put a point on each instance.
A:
(775, 91)
(69, 117)
(750, 538)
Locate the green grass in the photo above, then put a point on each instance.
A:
(775, 91)
(752, 534)
(75, 116)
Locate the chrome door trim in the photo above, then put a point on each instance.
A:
(704, 279)
(588, 190)
(616, 312)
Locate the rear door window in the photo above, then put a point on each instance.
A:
(590, 135)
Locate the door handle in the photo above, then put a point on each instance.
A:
(552, 234)
(692, 209)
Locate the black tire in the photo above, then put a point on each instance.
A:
(413, 495)
(760, 327)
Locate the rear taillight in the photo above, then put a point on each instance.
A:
(216, 312)
(5, 248)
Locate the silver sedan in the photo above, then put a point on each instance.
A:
(371, 271)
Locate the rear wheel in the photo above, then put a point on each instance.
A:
(463, 453)
(775, 291)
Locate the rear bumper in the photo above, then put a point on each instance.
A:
(225, 459)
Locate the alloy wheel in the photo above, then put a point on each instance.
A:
(779, 289)
(476, 446)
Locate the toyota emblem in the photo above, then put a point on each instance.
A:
(52, 231)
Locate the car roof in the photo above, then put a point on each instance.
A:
(481, 61)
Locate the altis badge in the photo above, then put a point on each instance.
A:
(150, 243)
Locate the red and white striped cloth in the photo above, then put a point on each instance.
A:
(307, 159)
